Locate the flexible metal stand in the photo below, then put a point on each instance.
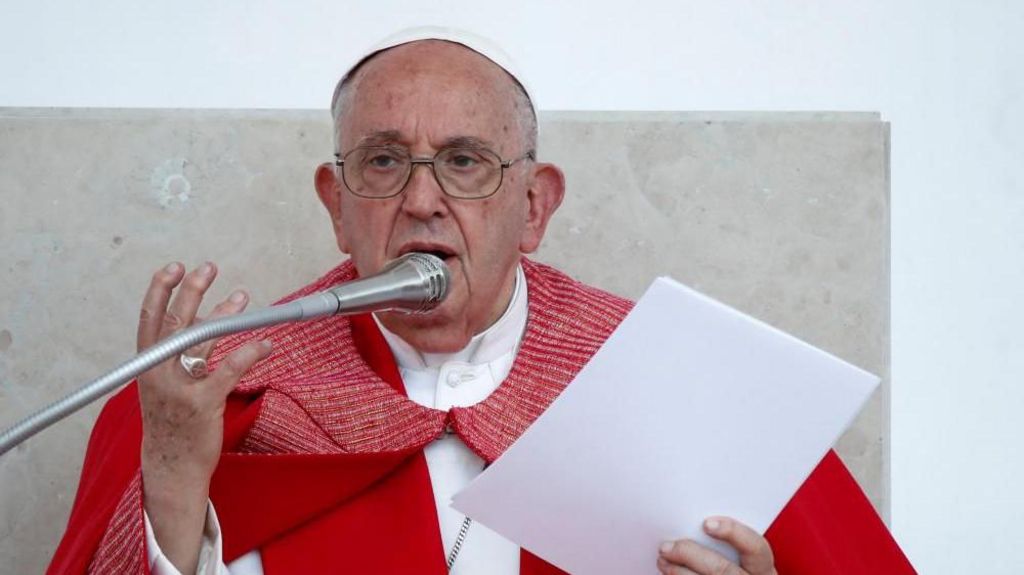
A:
(413, 283)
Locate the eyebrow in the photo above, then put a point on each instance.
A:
(382, 137)
(466, 142)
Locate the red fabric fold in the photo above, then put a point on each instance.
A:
(265, 496)
(830, 526)
(111, 463)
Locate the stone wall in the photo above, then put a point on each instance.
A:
(782, 215)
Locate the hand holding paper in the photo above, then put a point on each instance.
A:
(754, 552)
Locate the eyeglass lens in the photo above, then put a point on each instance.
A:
(380, 172)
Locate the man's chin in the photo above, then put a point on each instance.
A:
(432, 332)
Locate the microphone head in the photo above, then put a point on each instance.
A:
(431, 276)
(414, 283)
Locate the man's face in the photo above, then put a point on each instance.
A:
(426, 96)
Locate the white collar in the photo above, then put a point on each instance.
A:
(501, 338)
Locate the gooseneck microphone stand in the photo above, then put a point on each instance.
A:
(414, 283)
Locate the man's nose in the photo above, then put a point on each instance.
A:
(423, 197)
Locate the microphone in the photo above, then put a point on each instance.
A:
(414, 283)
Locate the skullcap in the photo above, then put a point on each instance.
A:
(483, 46)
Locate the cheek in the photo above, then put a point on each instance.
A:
(492, 233)
(365, 231)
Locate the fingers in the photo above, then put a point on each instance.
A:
(235, 303)
(158, 320)
(673, 569)
(186, 301)
(233, 367)
(687, 556)
(154, 304)
(695, 557)
(754, 551)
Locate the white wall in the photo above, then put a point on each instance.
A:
(949, 76)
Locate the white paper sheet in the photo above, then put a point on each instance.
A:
(690, 409)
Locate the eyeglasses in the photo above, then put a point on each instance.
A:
(381, 172)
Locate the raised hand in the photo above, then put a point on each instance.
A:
(182, 415)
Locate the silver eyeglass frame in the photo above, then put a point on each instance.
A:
(339, 161)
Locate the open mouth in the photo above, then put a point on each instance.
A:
(441, 252)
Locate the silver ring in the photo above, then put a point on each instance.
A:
(195, 367)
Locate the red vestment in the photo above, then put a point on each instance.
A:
(323, 469)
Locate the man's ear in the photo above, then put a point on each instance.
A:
(328, 188)
(544, 196)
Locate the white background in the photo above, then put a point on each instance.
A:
(948, 75)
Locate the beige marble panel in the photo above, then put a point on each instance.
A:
(783, 215)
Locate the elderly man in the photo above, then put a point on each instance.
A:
(334, 446)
